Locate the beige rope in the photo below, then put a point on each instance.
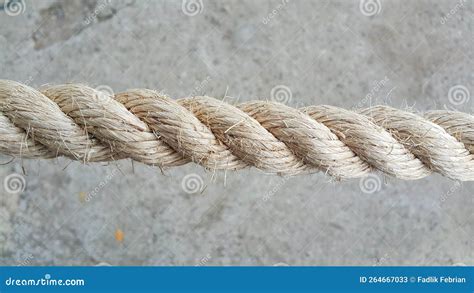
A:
(84, 124)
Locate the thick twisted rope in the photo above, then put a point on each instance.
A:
(84, 124)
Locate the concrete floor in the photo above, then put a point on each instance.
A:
(401, 53)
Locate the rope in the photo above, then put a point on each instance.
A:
(84, 124)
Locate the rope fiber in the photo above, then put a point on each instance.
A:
(88, 125)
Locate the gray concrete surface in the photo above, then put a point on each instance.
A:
(414, 54)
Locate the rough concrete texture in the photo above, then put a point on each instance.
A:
(414, 54)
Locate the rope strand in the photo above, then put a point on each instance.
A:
(84, 124)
